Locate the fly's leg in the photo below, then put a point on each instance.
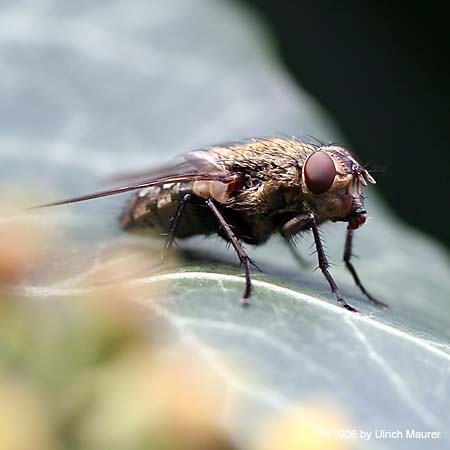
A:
(171, 234)
(351, 269)
(323, 264)
(295, 225)
(243, 257)
(308, 221)
(174, 223)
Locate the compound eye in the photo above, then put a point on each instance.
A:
(319, 172)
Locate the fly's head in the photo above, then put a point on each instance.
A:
(332, 184)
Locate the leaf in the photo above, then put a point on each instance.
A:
(167, 80)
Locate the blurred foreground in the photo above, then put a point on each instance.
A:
(91, 372)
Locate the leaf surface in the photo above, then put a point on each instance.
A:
(138, 94)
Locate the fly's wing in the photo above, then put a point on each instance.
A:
(194, 161)
(183, 168)
(205, 160)
(199, 166)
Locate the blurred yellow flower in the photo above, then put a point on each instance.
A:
(24, 421)
(307, 428)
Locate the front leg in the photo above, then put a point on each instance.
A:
(308, 221)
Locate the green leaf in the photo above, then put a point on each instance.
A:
(142, 91)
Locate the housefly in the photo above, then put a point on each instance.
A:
(247, 191)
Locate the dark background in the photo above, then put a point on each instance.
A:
(382, 71)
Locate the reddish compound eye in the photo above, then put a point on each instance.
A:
(319, 172)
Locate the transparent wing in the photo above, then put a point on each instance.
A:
(195, 176)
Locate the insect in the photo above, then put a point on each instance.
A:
(246, 192)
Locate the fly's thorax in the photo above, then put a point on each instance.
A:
(263, 169)
(332, 183)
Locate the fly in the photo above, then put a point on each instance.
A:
(246, 192)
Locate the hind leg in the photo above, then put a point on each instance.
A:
(174, 224)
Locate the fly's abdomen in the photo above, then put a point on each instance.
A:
(154, 207)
